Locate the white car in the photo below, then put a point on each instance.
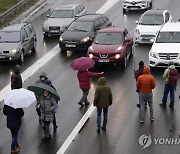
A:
(60, 17)
(166, 47)
(136, 5)
(149, 24)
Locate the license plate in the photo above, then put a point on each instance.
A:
(54, 31)
(71, 45)
(103, 60)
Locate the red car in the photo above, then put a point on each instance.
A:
(112, 44)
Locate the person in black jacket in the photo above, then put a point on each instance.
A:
(16, 80)
(14, 124)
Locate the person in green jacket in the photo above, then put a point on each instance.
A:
(102, 100)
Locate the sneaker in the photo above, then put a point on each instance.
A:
(98, 130)
(171, 106)
(81, 103)
(141, 121)
(103, 128)
(138, 105)
(15, 150)
(162, 104)
(86, 103)
(152, 118)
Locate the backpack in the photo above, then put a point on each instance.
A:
(173, 77)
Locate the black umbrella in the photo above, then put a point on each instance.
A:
(39, 88)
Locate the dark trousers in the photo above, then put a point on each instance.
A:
(46, 128)
(54, 120)
(105, 113)
(14, 133)
(168, 88)
(84, 96)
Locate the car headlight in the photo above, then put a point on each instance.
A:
(45, 26)
(85, 39)
(117, 56)
(60, 38)
(143, 1)
(125, 1)
(14, 50)
(137, 31)
(153, 54)
(91, 55)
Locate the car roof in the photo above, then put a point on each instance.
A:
(171, 27)
(66, 7)
(14, 27)
(112, 30)
(89, 17)
(154, 12)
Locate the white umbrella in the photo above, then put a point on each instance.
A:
(19, 98)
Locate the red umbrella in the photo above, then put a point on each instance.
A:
(82, 63)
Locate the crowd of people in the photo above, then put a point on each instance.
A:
(145, 83)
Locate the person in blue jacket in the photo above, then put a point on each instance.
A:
(14, 124)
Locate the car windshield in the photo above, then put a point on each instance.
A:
(108, 38)
(62, 14)
(152, 20)
(85, 26)
(168, 37)
(9, 36)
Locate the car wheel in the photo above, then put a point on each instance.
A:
(45, 36)
(132, 51)
(34, 45)
(124, 64)
(21, 58)
(124, 11)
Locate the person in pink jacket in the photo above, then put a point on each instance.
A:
(84, 84)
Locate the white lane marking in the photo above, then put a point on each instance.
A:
(32, 69)
(88, 113)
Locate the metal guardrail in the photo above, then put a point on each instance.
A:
(13, 10)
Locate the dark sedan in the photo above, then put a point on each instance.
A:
(113, 44)
(80, 33)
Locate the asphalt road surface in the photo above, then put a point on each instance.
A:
(124, 128)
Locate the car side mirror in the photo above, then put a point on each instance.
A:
(97, 28)
(48, 16)
(136, 22)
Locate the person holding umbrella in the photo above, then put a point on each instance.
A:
(82, 64)
(14, 101)
(47, 105)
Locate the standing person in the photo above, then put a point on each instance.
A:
(170, 76)
(145, 83)
(16, 80)
(14, 124)
(84, 84)
(44, 79)
(137, 73)
(47, 103)
(102, 100)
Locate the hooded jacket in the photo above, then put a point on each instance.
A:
(84, 77)
(16, 80)
(166, 73)
(103, 94)
(146, 82)
(138, 72)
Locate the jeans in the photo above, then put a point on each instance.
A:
(105, 113)
(168, 88)
(14, 133)
(84, 97)
(46, 128)
(146, 98)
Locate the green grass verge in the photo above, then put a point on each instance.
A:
(6, 4)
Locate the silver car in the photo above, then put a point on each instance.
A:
(136, 5)
(61, 17)
(16, 41)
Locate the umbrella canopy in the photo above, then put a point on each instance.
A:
(19, 98)
(82, 63)
(39, 88)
